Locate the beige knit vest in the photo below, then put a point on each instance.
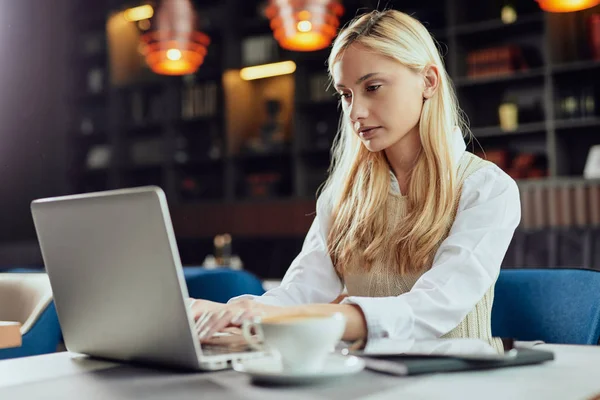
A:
(383, 280)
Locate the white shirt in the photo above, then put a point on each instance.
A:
(465, 266)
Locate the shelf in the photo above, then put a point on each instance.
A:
(494, 25)
(576, 123)
(464, 82)
(576, 66)
(533, 127)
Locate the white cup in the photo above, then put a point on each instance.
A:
(302, 342)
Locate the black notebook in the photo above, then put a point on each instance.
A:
(403, 364)
(412, 357)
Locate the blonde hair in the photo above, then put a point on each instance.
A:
(359, 181)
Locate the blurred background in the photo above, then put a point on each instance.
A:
(226, 106)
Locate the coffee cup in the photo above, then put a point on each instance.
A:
(302, 342)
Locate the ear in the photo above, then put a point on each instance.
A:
(431, 77)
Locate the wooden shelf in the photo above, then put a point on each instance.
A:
(577, 123)
(491, 131)
(576, 66)
(464, 82)
(494, 25)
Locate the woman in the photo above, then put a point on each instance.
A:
(413, 226)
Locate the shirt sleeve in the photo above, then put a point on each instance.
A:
(311, 278)
(465, 266)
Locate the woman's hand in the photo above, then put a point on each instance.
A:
(213, 317)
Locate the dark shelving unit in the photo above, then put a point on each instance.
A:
(204, 158)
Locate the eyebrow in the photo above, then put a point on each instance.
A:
(359, 80)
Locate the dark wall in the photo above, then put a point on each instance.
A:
(33, 109)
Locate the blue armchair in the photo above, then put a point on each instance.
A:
(220, 284)
(43, 337)
(553, 305)
(27, 298)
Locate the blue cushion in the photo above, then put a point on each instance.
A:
(553, 305)
(220, 284)
(43, 337)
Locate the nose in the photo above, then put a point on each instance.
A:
(357, 110)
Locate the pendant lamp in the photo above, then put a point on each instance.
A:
(559, 6)
(174, 46)
(304, 25)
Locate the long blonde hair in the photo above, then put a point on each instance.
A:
(359, 181)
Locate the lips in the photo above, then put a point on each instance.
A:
(368, 132)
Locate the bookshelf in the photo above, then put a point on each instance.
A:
(213, 155)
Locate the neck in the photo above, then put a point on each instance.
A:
(402, 156)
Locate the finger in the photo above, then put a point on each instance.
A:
(204, 318)
(205, 326)
(222, 320)
(238, 317)
(244, 315)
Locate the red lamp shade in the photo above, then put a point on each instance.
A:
(566, 5)
(174, 47)
(304, 25)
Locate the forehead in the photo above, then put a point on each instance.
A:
(357, 61)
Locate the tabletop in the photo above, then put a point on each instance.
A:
(572, 375)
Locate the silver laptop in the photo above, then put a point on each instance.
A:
(117, 279)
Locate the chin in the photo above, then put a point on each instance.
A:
(374, 146)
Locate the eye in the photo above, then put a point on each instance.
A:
(372, 88)
(343, 95)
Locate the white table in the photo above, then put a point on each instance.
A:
(574, 374)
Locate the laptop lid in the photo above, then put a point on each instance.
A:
(116, 276)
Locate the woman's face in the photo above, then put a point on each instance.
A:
(381, 97)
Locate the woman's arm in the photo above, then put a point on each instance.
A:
(465, 266)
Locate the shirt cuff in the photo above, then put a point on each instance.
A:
(382, 320)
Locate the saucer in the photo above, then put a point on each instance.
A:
(269, 370)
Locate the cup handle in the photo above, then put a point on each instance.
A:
(247, 326)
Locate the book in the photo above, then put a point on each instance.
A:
(404, 365)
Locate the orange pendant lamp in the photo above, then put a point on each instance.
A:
(174, 46)
(304, 25)
(559, 6)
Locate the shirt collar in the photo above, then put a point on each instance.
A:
(457, 149)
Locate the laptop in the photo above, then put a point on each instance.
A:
(117, 280)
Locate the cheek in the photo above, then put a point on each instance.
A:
(405, 110)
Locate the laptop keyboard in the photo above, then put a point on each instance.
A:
(215, 350)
